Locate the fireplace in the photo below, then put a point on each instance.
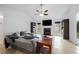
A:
(47, 31)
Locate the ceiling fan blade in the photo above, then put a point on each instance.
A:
(46, 11)
(46, 14)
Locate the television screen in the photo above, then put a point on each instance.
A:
(47, 22)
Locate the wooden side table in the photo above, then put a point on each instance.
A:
(44, 46)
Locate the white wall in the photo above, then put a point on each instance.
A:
(73, 24)
(1, 28)
(42, 27)
(15, 20)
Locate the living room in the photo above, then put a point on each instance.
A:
(18, 17)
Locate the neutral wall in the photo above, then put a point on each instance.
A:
(1, 28)
(73, 24)
(15, 20)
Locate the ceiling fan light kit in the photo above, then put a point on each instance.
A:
(41, 15)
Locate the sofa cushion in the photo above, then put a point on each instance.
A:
(28, 36)
(23, 43)
(22, 33)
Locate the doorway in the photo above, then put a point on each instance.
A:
(77, 27)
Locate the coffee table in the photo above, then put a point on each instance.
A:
(43, 45)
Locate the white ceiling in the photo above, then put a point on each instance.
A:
(55, 11)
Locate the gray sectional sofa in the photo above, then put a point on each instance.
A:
(22, 40)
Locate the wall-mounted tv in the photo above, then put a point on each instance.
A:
(47, 22)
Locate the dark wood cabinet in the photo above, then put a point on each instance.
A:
(66, 29)
(44, 46)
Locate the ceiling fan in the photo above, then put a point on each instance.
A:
(41, 12)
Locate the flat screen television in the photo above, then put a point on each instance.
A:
(47, 22)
